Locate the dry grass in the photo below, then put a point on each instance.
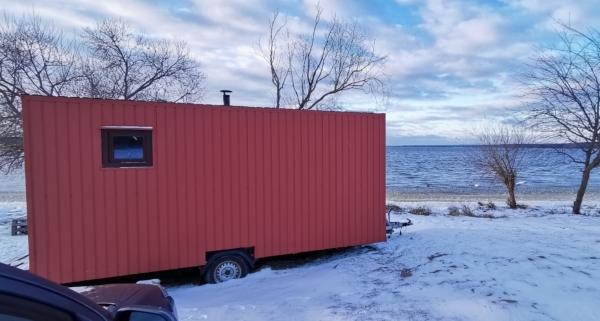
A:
(556, 210)
(393, 208)
(466, 211)
(453, 211)
(488, 206)
(421, 210)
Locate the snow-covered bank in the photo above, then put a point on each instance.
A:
(452, 195)
(539, 263)
(530, 265)
(12, 247)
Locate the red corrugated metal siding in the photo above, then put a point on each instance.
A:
(282, 181)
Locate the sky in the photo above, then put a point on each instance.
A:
(450, 63)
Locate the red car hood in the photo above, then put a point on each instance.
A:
(121, 295)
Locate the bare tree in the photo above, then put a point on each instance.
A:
(278, 61)
(311, 71)
(502, 153)
(113, 62)
(129, 66)
(562, 91)
(35, 58)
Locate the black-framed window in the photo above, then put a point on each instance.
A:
(126, 147)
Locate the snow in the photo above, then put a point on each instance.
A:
(530, 265)
(539, 263)
(151, 281)
(13, 249)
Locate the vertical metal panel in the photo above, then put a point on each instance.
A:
(153, 233)
(304, 188)
(235, 178)
(285, 189)
(274, 156)
(225, 179)
(372, 173)
(97, 182)
(189, 145)
(261, 220)
(161, 144)
(142, 201)
(353, 188)
(181, 214)
(364, 205)
(328, 186)
(244, 184)
(207, 185)
(381, 173)
(199, 182)
(281, 181)
(217, 165)
(339, 185)
(37, 241)
(252, 188)
(66, 231)
(312, 165)
(297, 209)
(74, 152)
(88, 230)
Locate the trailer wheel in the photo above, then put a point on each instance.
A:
(226, 268)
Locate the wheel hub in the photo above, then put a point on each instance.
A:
(227, 271)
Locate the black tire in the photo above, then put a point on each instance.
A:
(226, 268)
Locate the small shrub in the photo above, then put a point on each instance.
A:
(421, 210)
(487, 216)
(453, 211)
(393, 208)
(466, 211)
(519, 206)
(558, 210)
(486, 206)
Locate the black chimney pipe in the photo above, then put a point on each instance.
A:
(226, 97)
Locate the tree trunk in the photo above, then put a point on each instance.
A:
(584, 181)
(512, 201)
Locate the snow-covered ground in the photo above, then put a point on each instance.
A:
(12, 248)
(539, 263)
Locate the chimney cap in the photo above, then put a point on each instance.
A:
(225, 91)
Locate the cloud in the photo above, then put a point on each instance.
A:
(450, 61)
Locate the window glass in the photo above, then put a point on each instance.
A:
(128, 147)
(14, 308)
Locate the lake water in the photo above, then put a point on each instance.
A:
(450, 176)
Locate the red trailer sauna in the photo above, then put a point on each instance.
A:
(125, 187)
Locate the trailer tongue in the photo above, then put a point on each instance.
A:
(391, 226)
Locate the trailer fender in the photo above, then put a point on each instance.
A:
(241, 253)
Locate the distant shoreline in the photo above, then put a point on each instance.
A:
(556, 145)
(403, 196)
